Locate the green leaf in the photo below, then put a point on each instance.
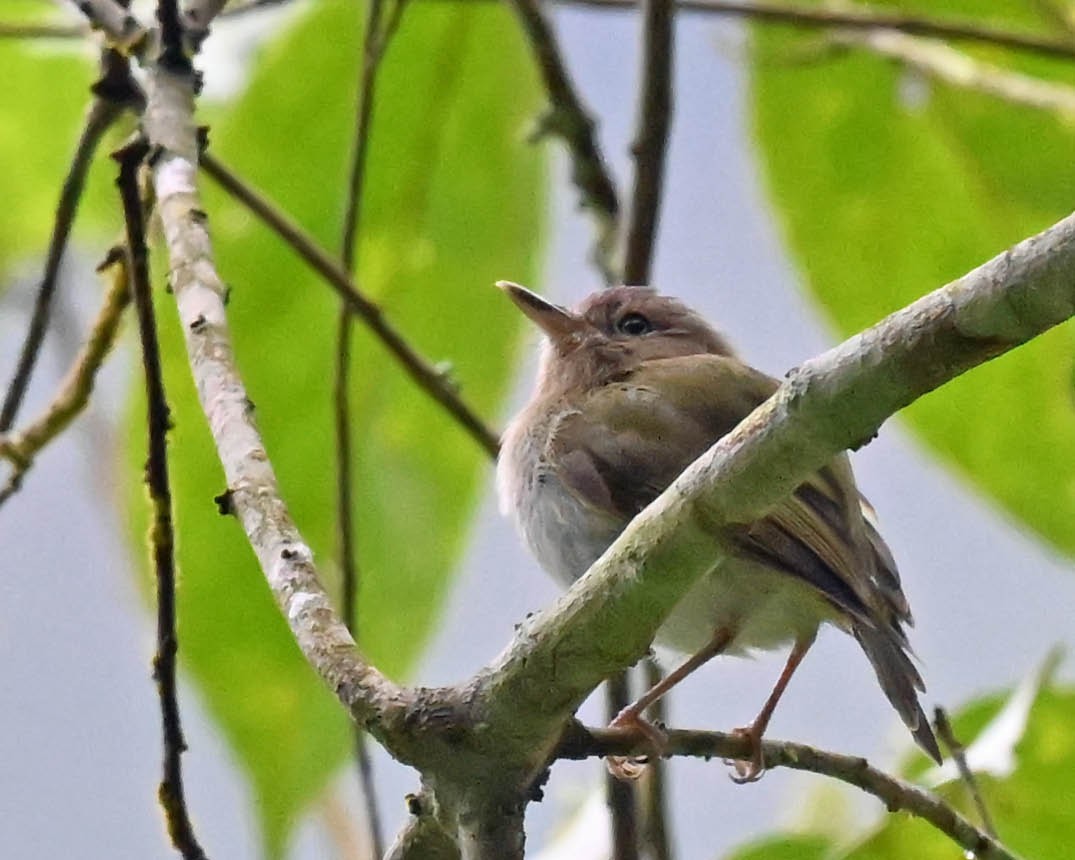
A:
(454, 201)
(794, 847)
(885, 196)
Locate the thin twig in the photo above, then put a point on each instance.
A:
(957, 751)
(951, 66)
(375, 41)
(20, 447)
(121, 28)
(896, 794)
(653, 784)
(428, 377)
(111, 97)
(42, 31)
(651, 138)
(862, 18)
(620, 794)
(161, 535)
(568, 119)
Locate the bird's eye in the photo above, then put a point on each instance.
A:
(633, 324)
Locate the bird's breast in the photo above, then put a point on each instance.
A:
(564, 533)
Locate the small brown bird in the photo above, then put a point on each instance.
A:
(633, 387)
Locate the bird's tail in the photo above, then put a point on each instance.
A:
(901, 682)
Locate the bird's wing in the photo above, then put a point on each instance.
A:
(630, 439)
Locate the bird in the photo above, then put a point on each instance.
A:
(632, 387)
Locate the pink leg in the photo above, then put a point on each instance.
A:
(631, 716)
(752, 771)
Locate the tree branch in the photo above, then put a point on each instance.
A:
(428, 377)
(112, 94)
(651, 138)
(950, 66)
(122, 30)
(895, 793)
(22, 446)
(568, 119)
(863, 18)
(375, 42)
(957, 752)
(162, 531)
(253, 494)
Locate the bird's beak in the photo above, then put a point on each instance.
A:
(557, 322)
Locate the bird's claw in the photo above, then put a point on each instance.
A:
(753, 769)
(630, 768)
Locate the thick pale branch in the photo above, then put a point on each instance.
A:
(252, 495)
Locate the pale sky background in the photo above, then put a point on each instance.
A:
(79, 745)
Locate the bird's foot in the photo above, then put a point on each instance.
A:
(753, 769)
(629, 768)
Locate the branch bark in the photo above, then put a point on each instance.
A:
(896, 794)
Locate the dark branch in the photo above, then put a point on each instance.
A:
(374, 43)
(956, 751)
(620, 794)
(162, 535)
(896, 794)
(568, 119)
(105, 109)
(426, 376)
(863, 18)
(651, 138)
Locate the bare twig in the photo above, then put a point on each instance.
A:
(121, 28)
(42, 31)
(858, 17)
(22, 446)
(895, 793)
(950, 66)
(161, 535)
(653, 784)
(651, 138)
(620, 795)
(568, 118)
(112, 95)
(956, 750)
(375, 41)
(428, 377)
